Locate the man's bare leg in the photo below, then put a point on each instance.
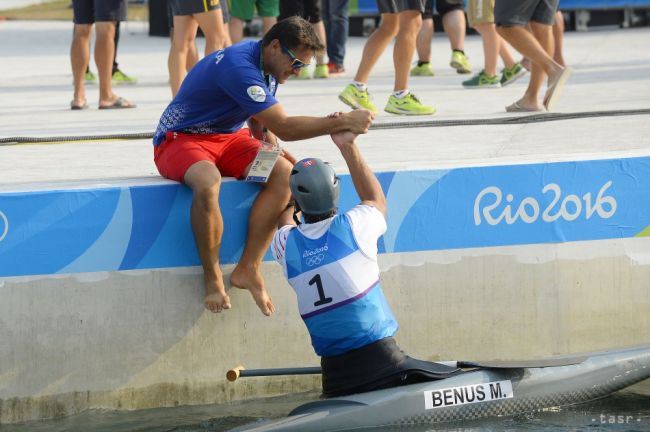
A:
(409, 27)
(319, 28)
(184, 34)
(423, 43)
(267, 23)
(79, 58)
(104, 54)
(530, 45)
(504, 52)
(375, 46)
(454, 24)
(263, 219)
(491, 47)
(207, 224)
(558, 38)
(236, 29)
(211, 24)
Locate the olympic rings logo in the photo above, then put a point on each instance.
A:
(314, 260)
(5, 222)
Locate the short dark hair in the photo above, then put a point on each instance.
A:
(294, 32)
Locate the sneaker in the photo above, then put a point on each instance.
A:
(303, 74)
(335, 69)
(120, 77)
(357, 99)
(508, 76)
(482, 80)
(460, 62)
(321, 71)
(424, 69)
(408, 105)
(90, 78)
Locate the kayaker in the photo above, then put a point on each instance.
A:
(330, 260)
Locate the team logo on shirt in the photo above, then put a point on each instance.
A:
(256, 93)
(218, 57)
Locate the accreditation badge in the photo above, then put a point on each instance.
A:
(263, 164)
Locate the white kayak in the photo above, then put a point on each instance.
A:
(479, 391)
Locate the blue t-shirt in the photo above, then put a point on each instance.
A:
(220, 93)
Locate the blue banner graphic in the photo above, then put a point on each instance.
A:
(140, 227)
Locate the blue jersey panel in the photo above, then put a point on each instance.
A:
(351, 326)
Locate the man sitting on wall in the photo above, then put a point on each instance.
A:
(200, 138)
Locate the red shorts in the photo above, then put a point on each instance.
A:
(231, 153)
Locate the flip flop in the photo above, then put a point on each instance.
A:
(554, 90)
(78, 107)
(515, 107)
(120, 103)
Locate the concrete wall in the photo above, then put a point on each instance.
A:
(141, 339)
(464, 283)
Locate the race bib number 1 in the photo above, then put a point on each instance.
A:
(263, 164)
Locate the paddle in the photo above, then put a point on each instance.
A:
(240, 371)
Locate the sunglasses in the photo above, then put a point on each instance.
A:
(296, 63)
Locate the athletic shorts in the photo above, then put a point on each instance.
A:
(222, 3)
(231, 153)
(396, 6)
(510, 13)
(307, 9)
(442, 7)
(92, 11)
(243, 9)
(480, 12)
(191, 7)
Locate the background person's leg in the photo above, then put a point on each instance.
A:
(79, 59)
(410, 22)
(211, 23)
(375, 46)
(185, 28)
(104, 53)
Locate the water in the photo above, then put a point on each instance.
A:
(627, 410)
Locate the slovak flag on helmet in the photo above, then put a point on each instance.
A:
(308, 162)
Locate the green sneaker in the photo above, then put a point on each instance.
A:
(321, 71)
(422, 70)
(460, 63)
(408, 105)
(508, 76)
(90, 78)
(357, 99)
(120, 77)
(482, 80)
(303, 74)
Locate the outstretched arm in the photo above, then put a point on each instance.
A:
(364, 180)
(293, 128)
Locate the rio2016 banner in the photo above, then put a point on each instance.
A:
(141, 227)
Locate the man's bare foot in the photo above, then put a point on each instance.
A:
(555, 85)
(115, 103)
(524, 106)
(216, 298)
(250, 279)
